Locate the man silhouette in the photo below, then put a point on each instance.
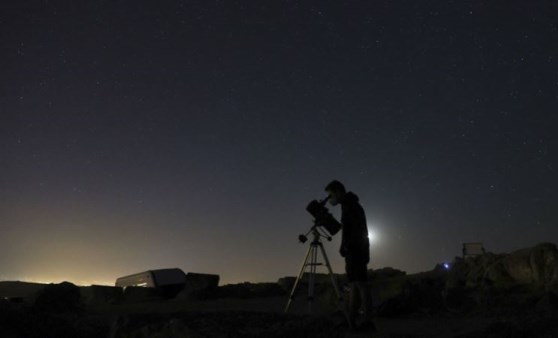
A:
(355, 248)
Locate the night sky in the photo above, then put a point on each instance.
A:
(140, 135)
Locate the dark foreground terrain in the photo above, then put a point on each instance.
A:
(148, 320)
(505, 295)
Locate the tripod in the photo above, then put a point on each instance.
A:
(311, 261)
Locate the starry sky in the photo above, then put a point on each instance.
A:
(139, 135)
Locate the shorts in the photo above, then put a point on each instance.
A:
(357, 270)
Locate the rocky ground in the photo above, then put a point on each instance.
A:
(505, 295)
(143, 321)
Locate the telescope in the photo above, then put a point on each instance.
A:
(325, 225)
(323, 219)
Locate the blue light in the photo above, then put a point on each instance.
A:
(447, 266)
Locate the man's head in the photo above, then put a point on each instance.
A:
(336, 192)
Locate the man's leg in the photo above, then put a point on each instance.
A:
(354, 294)
(367, 322)
(354, 302)
(365, 299)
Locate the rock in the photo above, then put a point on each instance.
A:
(173, 328)
(419, 293)
(19, 289)
(225, 324)
(457, 276)
(199, 286)
(100, 294)
(249, 290)
(520, 327)
(63, 297)
(548, 303)
(503, 280)
(496, 274)
(393, 307)
(538, 265)
(387, 272)
(170, 291)
(286, 283)
(383, 289)
(518, 266)
(426, 294)
(455, 297)
(135, 294)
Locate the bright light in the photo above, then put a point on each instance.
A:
(447, 266)
(372, 236)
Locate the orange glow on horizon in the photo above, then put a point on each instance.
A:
(58, 281)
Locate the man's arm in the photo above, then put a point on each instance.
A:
(355, 233)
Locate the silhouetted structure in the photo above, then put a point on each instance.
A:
(473, 249)
(168, 282)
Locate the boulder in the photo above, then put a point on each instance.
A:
(249, 290)
(225, 324)
(386, 272)
(98, 294)
(537, 265)
(423, 292)
(135, 294)
(502, 280)
(63, 297)
(497, 275)
(198, 285)
(19, 289)
(286, 283)
(174, 327)
(548, 303)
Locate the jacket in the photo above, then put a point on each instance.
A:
(354, 243)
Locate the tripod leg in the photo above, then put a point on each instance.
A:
(330, 271)
(312, 276)
(335, 287)
(300, 274)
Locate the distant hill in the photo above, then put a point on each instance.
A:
(19, 289)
